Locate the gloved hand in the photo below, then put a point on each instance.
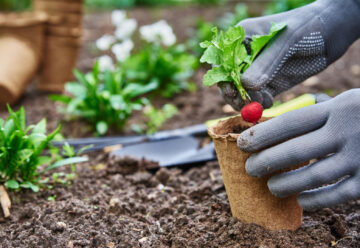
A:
(328, 131)
(316, 35)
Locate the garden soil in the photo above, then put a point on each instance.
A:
(117, 203)
(120, 203)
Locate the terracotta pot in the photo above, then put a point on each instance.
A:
(21, 49)
(250, 199)
(60, 59)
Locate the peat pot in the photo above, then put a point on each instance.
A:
(21, 44)
(249, 197)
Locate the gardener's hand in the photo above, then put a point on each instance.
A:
(328, 131)
(316, 35)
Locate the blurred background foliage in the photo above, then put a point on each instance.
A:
(133, 3)
(274, 6)
(15, 5)
(20, 5)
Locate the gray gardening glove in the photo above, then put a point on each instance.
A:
(316, 35)
(328, 131)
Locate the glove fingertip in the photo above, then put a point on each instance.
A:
(243, 142)
(276, 187)
(251, 169)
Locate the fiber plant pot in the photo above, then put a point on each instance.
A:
(63, 31)
(64, 19)
(75, 6)
(60, 59)
(63, 39)
(249, 197)
(21, 49)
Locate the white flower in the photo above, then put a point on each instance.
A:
(104, 42)
(105, 63)
(125, 29)
(117, 17)
(158, 32)
(122, 50)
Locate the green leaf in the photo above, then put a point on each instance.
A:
(233, 34)
(228, 57)
(9, 128)
(37, 138)
(205, 44)
(83, 149)
(60, 98)
(259, 41)
(76, 89)
(134, 90)
(67, 161)
(215, 75)
(102, 127)
(12, 184)
(240, 53)
(212, 55)
(117, 102)
(44, 160)
(44, 143)
(81, 77)
(69, 151)
(40, 128)
(30, 185)
(276, 27)
(24, 155)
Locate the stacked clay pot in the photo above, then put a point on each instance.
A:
(62, 42)
(21, 49)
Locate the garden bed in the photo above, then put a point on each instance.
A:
(118, 204)
(121, 204)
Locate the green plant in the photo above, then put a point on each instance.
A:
(171, 67)
(204, 29)
(103, 99)
(21, 149)
(11, 5)
(155, 118)
(69, 151)
(231, 55)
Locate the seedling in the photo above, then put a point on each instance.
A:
(103, 99)
(231, 54)
(21, 149)
(156, 118)
(170, 67)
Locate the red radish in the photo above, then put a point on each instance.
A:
(252, 112)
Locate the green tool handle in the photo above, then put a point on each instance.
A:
(296, 103)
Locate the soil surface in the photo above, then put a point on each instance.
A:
(117, 203)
